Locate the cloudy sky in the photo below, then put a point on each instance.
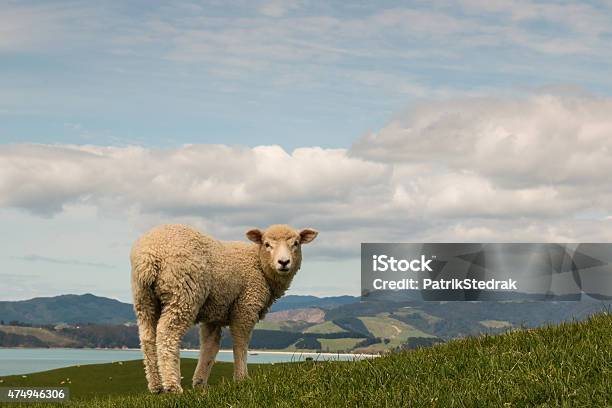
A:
(396, 122)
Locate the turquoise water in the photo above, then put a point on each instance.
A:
(23, 360)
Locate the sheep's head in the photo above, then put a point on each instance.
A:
(280, 247)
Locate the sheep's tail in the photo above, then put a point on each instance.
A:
(145, 271)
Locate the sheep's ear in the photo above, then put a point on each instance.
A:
(307, 235)
(254, 235)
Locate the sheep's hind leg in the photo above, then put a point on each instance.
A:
(147, 313)
(210, 337)
(171, 327)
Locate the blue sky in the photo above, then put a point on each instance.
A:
(384, 97)
(288, 73)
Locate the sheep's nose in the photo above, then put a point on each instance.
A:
(284, 262)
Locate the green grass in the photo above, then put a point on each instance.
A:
(569, 365)
(119, 378)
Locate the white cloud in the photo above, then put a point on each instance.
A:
(213, 182)
(536, 141)
(506, 169)
(195, 180)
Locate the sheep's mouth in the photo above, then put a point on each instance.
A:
(283, 269)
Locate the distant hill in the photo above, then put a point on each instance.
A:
(69, 309)
(337, 324)
(89, 308)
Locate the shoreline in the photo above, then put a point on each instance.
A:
(250, 351)
(322, 353)
(256, 351)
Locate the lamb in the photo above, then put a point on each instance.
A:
(181, 277)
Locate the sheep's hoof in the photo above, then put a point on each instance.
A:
(173, 389)
(199, 385)
(156, 389)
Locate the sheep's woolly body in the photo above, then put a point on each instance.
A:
(180, 277)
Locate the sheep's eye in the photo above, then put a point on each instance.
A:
(295, 243)
(267, 244)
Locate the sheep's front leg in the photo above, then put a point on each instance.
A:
(241, 330)
(210, 337)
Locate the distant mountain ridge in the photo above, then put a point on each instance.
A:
(71, 309)
(336, 324)
(89, 308)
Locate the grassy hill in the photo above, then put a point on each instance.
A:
(565, 365)
(34, 337)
